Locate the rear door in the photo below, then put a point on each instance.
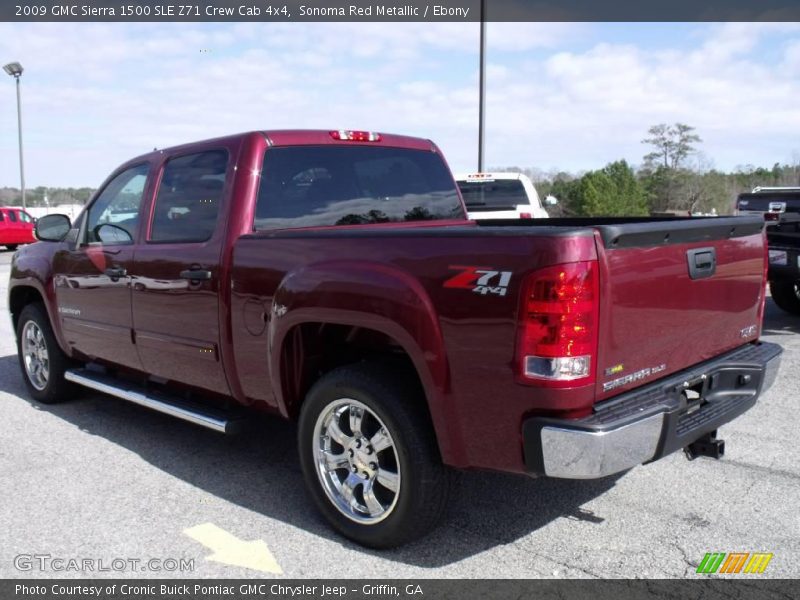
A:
(176, 273)
(92, 278)
(26, 227)
(674, 294)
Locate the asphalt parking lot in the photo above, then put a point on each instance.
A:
(101, 479)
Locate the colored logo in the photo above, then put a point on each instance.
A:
(735, 562)
(481, 280)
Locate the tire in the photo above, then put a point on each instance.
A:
(786, 295)
(422, 483)
(41, 359)
(12, 247)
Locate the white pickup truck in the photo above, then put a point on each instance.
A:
(501, 196)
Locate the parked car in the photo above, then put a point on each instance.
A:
(501, 196)
(16, 227)
(332, 278)
(780, 206)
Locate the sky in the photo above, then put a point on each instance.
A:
(560, 96)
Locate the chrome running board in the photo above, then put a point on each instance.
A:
(193, 413)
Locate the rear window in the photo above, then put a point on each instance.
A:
(308, 186)
(497, 194)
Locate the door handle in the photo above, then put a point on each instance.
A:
(115, 272)
(196, 274)
(702, 262)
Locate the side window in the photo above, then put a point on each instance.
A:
(12, 216)
(189, 197)
(114, 217)
(25, 217)
(2, 218)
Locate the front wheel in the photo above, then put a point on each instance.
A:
(42, 362)
(12, 247)
(786, 295)
(369, 456)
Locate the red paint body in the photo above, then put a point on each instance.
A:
(16, 227)
(228, 336)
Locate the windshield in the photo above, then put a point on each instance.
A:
(497, 194)
(307, 186)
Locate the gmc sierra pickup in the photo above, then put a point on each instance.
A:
(332, 277)
(780, 206)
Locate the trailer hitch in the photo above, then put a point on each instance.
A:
(708, 445)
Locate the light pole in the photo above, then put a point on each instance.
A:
(482, 87)
(15, 70)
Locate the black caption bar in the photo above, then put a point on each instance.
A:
(422, 589)
(408, 10)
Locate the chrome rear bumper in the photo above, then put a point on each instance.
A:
(652, 421)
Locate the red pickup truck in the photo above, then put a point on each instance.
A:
(331, 277)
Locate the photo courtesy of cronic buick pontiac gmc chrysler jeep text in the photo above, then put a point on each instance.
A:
(332, 278)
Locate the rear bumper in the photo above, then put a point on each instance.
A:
(652, 421)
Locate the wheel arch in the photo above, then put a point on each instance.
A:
(357, 301)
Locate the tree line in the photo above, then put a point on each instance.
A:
(671, 179)
(10, 196)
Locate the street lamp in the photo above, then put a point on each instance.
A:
(15, 70)
(482, 88)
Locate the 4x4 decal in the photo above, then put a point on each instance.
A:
(481, 280)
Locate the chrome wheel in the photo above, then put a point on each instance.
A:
(34, 355)
(356, 461)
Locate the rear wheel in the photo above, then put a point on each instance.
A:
(42, 362)
(12, 247)
(369, 456)
(786, 295)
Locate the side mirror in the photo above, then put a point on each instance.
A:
(551, 200)
(52, 228)
(108, 233)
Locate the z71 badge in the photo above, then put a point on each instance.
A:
(481, 280)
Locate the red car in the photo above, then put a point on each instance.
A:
(16, 227)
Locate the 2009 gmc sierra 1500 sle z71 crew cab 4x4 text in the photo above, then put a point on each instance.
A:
(331, 277)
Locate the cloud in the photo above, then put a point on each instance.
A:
(572, 96)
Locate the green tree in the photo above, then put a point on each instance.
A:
(666, 175)
(672, 145)
(614, 190)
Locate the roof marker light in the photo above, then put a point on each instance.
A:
(347, 135)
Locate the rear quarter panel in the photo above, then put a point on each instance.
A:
(462, 342)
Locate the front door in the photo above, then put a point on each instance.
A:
(176, 273)
(92, 279)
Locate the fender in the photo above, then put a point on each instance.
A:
(374, 296)
(31, 267)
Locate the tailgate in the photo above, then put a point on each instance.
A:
(658, 314)
(764, 202)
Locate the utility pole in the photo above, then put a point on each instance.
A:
(482, 88)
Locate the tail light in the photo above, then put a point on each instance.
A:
(355, 136)
(557, 343)
(772, 216)
(764, 284)
(525, 216)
